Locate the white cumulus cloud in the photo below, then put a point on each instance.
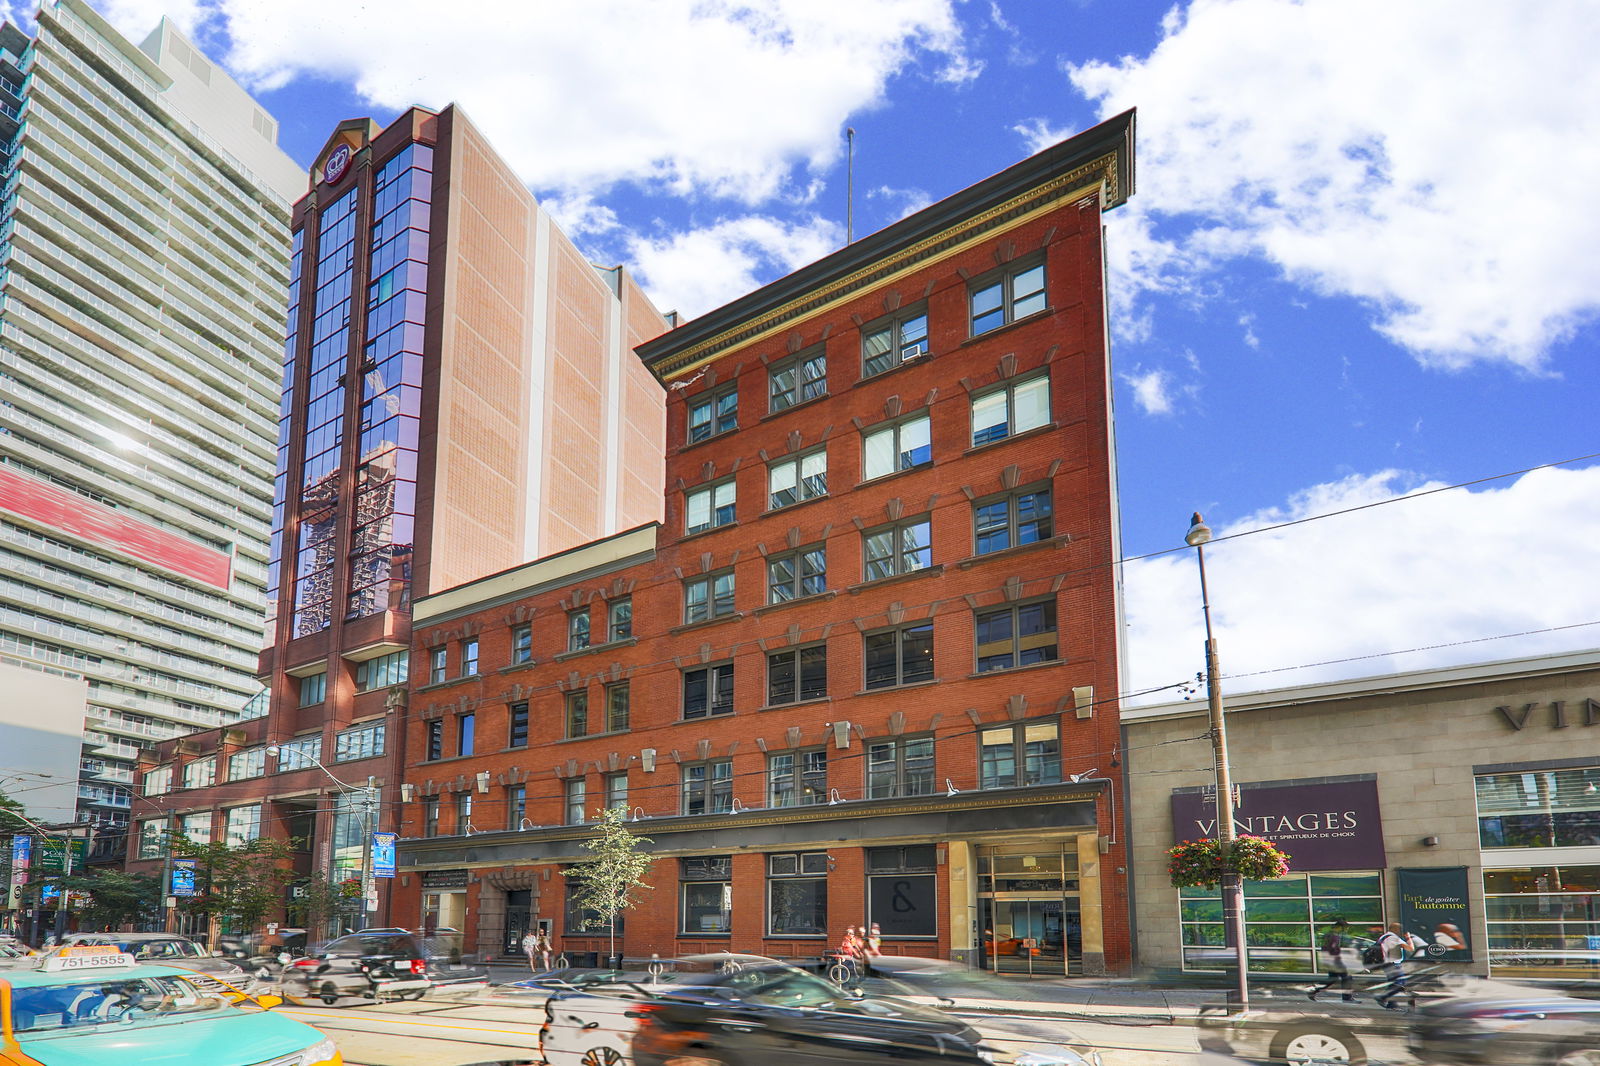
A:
(1435, 161)
(1440, 571)
(700, 269)
(720, 96)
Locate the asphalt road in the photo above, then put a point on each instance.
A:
(499, 1027)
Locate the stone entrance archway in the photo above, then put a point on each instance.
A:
(492, 905)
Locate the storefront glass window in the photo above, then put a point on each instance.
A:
(1544, 809)
(902, 890)
(707, 895)
(1284, 919)
(1544, 921)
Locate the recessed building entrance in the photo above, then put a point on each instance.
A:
(1028, 914)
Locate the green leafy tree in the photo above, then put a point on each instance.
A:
(115, 898)
(9, 820)
(239, 883)
(316, 900)
(609, 881)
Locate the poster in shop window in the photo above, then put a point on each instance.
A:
(1433, 906)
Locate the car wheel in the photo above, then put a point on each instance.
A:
(1315, 1045)
(601, 1056)
(328, 993)
(692, 1060)
(1578, 1056)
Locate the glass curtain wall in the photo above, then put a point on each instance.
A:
(1285, 918)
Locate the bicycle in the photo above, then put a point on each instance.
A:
(844, 971)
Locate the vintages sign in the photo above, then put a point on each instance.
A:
(1323, 825)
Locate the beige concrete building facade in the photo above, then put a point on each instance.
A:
(1466, 797)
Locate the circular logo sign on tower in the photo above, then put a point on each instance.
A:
(338, 162)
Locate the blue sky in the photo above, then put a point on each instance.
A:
(1360, 262)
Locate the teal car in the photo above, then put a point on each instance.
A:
(102, 1009)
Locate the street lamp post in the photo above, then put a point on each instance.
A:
(1232, 886)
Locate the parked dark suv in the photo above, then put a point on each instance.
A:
(383, 964)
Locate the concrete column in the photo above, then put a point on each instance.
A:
(961, 872)
(1090, 911)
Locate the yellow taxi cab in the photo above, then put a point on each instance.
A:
(95, 1006)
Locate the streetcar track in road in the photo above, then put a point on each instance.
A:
(333, 1020)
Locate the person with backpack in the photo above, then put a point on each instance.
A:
(1335, 944)
(1391, 950)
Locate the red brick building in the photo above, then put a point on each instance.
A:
(459, 395)
(866, 670)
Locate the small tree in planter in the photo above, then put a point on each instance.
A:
(1202, 863)
(607, 883)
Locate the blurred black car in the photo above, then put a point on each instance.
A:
(767, 1015)
(1533, 1030)
(383, 964)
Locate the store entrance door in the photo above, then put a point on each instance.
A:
(519, 907)
(1032, 935)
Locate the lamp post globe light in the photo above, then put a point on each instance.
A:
(1232, 884)
(368, 807)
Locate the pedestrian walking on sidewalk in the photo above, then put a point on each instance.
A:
(1336, 959)
(1395, 945)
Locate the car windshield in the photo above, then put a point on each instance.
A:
(80, 1005)
(782, 988)
(145, 950)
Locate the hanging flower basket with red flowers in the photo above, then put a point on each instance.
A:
(1202, 863)
(350, 887)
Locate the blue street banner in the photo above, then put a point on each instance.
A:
(183, 877)
(383, 854)
(48, 893)
(21, 858)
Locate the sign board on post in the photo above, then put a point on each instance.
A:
(1327, 824)
(383, 854)
(51, 854)
(183, 877)
(1433, 905)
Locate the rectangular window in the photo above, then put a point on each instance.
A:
(577, 714)
(712, 412)
(252, 762)
(359, 742)
(708, 787)
(521, 644)
(708, 691)
(797, 894)
(578, 629)
(616, 790)
(517, 727)
(900, 656)
(200, 773)
(1016, 636)
(430, 817)
(707, 888)
(900, 548)
(888, 343)
(299, 753)
(577, 798)
(1015, 293)
(153, 838)
(1539, 809)
(437, 663)
(619, 619)
(1027, 753)
(1542, 921)
(158, 781)
(617, 699)
(436, 739)
(901, 446)
(902, 766)
(799, 478)
(708, 597)
(710, 507)
(797, 573)
(244, 825)
(805, 377)
(516, 806)
(464, 813)
(469, 657)
(197, 827)
(797, 778)
(1285, 918)
(1011, 520)
(796, 674)
(313, 689)
(466, 725)
(902, 891)
(1012, 409)
(385, 671)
